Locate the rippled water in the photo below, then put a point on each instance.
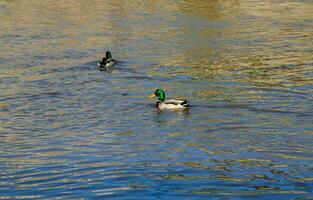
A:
(69, 130)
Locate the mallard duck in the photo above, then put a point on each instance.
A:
(170, 104)
(107, 61)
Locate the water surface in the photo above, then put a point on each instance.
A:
(69, 130)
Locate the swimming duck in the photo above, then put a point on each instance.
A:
(170, 104)
(107, 61)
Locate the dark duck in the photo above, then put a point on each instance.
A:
(107, 61)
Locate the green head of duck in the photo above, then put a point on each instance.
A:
(108, 54)
(160, 94)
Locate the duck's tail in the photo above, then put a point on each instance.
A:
(185, 103)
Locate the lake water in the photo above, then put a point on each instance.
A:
(69, 130)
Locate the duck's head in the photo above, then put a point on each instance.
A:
(108, 54)
(159, 93)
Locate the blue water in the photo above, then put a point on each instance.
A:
(69, 130)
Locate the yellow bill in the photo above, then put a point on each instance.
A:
(152, 95)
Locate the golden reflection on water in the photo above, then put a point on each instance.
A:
(69, 30)
(280, 55)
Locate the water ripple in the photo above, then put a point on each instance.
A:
(69, 130)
